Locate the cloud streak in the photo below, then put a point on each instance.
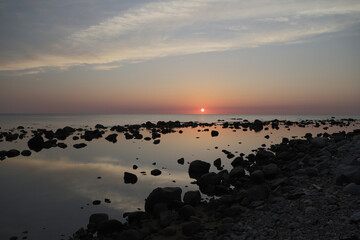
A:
(171, 28)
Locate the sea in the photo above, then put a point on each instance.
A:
(50, 194)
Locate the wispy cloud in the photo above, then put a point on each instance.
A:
(170, 28)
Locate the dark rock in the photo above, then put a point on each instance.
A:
(238, 161)
(190, 228)
(96, 219)
(181, 161)
(217, 163)
(208, 181)
(131, 234)
(109, 227)
(135, 167)
(171, 196)
(79, 145)
(237, 172)
(12, 153)
(112, 138)
(36, 143)
(168, 231)
(355, 217)
(26, 153)
(135, 218)
(352, 188)
(198, 168)
(130, 178)
(147, 138)
(99, 126)
(155, 172)
(214, 133)
(107, 200)
(257, 176)
(192, 197)
(157, 141)
(319, 142)
(258, 192)
(271, 170)
(186, 212)
(96, 202)
(61, 145)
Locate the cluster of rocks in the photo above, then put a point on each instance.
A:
(299, 189)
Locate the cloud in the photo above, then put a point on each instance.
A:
(171, 28)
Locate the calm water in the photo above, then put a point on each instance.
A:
(50, 193)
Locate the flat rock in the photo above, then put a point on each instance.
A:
(214, 133)
(181, 161)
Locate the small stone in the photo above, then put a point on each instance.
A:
(96, 202)
(26, 153)
(168, 231)
(155, 172)
(214, 133)
(130, 178)
(181, 161)
(157, 141)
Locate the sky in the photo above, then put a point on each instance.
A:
(176, 56)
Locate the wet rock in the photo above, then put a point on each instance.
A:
(157, 141)
(238, 161)
(214, 133)
(208, 181)
(257, 176)
(190, 228)
(26, 153)
(36, 143)
(112, 138)
(130, 178)
(355, 217)
(79, 145)
(171, 196)
(109, 227)
(155, 172)
(271, 170)
(12, 153)
(311, 171)
(217, 163)
(192, 197)
(198, 168)
(96, 202)
(237, 172)
(353, 189)
(181, 161)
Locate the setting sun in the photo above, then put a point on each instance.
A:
(202, 110)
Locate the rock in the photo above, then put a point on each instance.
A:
(181, 161)
(155, 172)
(238, 161)
(171, 196)
(165, 218)
(96, 202)
(355, 217)
(131, 234)
(214, 133)
(208, 181)
(100, 126)
(168, 231)
(79, 145)
(61, 145)
(311, 171)
(130, 178)
(192, 197)
(258, 192)
(352, 188)
(271, 170)
(26, 153)
(135, 167)
(135, 218)
(237, 172)
(109, 227)
(198, 168)
(112, 138)
(12, 153)
(190, 228)
(217, 163)
(36, 143)
(319, 142)
(97, 218)
(257, 176)
(157, 141)
(186, 212)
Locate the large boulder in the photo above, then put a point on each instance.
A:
(271, 170)
(36, 143)
(198, 168)
(171, 196)
(192, 197)
(208, 182)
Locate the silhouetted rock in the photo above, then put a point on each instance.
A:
(217, 163)
(26, 153)
(36, 143)
(257, 176)
(352, 188)
(190, 228)
(207, 183)
(171, 196)
(12, 153)
(80, 145)
(192, 197)
(96, 202)
(157, 141)
(61, 145)
(198, 168)
(214, 133)
(237, 172)
(155, 172)
(186, 212)
(110, 227)
(271, 170)
(130, 178)
(181, 161)
(112, 138)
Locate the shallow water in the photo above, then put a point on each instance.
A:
(50, 193)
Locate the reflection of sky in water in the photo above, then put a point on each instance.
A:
(48, 188)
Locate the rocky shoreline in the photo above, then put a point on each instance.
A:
(305, 188)
(302, 189)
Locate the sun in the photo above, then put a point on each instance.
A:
(202, 110)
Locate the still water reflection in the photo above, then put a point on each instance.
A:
(50, 193)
